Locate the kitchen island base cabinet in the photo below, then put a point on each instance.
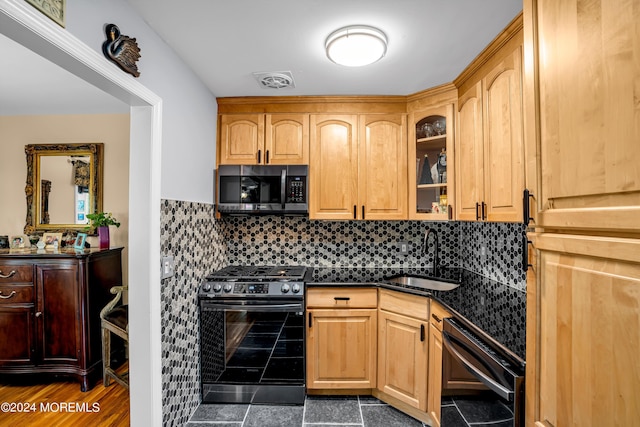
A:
(50, 312)
(341, 338)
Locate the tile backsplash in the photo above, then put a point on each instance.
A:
(493, 250)
(189, 233)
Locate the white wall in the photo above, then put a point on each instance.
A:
(189, 109)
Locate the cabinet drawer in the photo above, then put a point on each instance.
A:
(15, 273)
(405, 304)
(16, 294)
(342, 298)
(438, 313)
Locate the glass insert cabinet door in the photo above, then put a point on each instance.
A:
(430, 157)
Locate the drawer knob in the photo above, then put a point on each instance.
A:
(2, 276)
(38, 313)
(7, 296)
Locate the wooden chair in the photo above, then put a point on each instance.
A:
(114, 319)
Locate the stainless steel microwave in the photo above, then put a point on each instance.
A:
(263, 190)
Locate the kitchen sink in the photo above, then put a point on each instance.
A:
(446, 283)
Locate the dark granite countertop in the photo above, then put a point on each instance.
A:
(496, 309)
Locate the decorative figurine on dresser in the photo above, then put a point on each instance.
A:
(50, 311)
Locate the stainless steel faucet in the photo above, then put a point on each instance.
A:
(427, 233)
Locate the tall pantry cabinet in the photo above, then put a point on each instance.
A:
(582, 134)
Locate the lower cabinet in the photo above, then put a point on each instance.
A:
(403, 347)
(50, 312)
(434, 393)
(341, 338)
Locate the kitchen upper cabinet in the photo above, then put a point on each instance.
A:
(358, 166)
(469, 155)
(431, 163)
(586, 137)
(403, 347)
(341, 338)
(585, 334)
(489, 144)
(264, 139)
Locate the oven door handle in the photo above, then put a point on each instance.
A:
(253, 307)
(502, 391)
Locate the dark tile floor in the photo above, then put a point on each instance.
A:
(334, 411)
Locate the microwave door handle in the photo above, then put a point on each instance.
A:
(283, 183)
(500, 390)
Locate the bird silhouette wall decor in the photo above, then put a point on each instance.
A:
(121, 49)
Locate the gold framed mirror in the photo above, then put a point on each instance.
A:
(64, 184)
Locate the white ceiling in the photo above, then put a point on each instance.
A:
(224, 42)
(31, 85)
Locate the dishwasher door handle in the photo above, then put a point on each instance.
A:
(499, 389)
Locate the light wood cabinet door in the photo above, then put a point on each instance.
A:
(588, 125)
(503, 140)
(286, 139)
(588, 296)
(402, 358)
(382, 178)
(241, 139)
(435, 374)
(333, 168)
(469, 156)
(341, 348)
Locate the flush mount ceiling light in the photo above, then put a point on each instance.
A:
(356, 45)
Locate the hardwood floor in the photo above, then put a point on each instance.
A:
(54, 404)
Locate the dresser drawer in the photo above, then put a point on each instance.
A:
(342, 298)
(16, 294)
(15, 273)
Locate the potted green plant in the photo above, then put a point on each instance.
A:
(101, 221)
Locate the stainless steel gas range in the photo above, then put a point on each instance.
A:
(252, 335)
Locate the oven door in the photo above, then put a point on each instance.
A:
(252, 351)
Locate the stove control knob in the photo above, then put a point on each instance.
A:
(295, 288)
(227, 288)
(217, 287)
(285, 288)
(206, 287)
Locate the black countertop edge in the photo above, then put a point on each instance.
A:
(428, 294)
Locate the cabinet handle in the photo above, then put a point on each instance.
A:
(341, 298)
(362, 211)
(484, 214)
(526, 206)
(259, 156)
(354, 211)
(38, 313)
(266, 157)
(7, 296)
(525, 253)
(436, 318)
(422, 333)
(450, 212)
(477, 211)
(310, 321)
(2, 276)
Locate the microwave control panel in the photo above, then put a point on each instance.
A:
(296, 189)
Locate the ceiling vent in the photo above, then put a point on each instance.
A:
(275, 80)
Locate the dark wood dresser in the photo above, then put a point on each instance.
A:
(50, 306)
